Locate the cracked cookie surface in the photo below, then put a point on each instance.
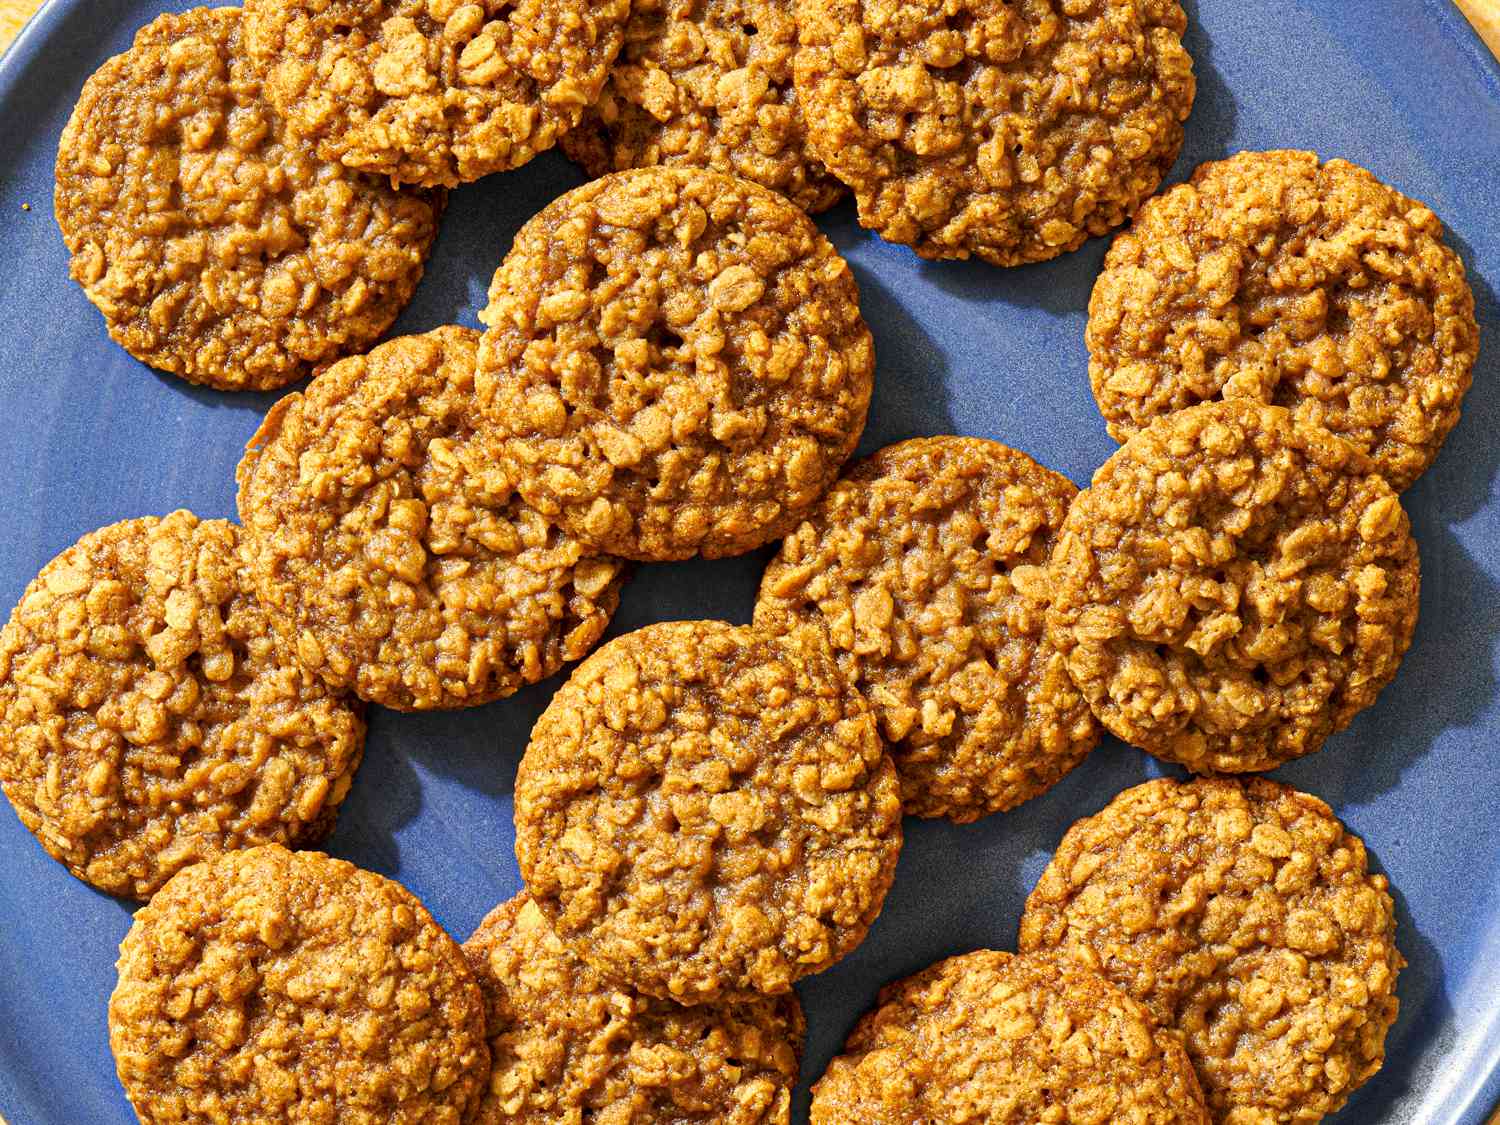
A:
(434, 92)
(1233, 587)
(1009, 131)
(290, 986)
(1312, 286)
(679, 364)
(393, 554)
(926, 564)
(706, 84)
(993, 1037)
(217, 246)
(1242, 914)
(707, 813)
(146, 721)
(568, 1046)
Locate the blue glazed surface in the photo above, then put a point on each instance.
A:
(89, 436)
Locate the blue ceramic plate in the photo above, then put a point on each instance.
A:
(89, 436)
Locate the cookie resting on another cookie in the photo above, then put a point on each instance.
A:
(389, 547)
(1233, 587)
(218, 246)
(926, 566)
(147, 721)
(1243, 915)
(707, 813)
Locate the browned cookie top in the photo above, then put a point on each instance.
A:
(569, 1047)
(706, 812)
(147, 723)
(392, 553)
(1314, 287)
(1242, 914)
(679, 363)
(269, 985)
(1010, 1041)
(1234, 587)
(1008, 130)
(706, 84)
(433, 91)
(926, 565)
(217, 246)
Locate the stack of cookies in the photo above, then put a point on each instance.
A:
(674, 365)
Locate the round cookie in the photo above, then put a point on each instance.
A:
(706, 812)
(1242, 914)
(146, 721)
(1234, 587)
(1312, 286)
(926, 566)
(1011, 1041)
(269, 985)
(1007, 131)
(390, 551)
(567, 1046)
(218, 247)
(434, 92)
(706, 84)
(678, 361)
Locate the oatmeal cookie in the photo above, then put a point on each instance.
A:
(269, 985)
(706, 84)
(1242, 914)
(1011, 131)
(218, 247)
(568, 1047)
(1312, 286)
(1011, 1041)
(1234, 587)
(706, 812)
(390, 551)
(146, 722)
(679, 363)
(434, 92)
(926, 565)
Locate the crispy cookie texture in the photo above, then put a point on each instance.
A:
(390, 550)
(1010, 1040)
(679, 363)
(1007, 130)
(1242, 914)
(1312, 286)
(217, 246)
(707, 813)
(706, 84)
(1234, 587)
(269, 985)
(568, 1046)
(434, 92)
(926, 565)
(146, 721)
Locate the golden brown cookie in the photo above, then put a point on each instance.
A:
(435, 92)
(217, 246)
(1010, 131)
(146, 722)
(269, 985)
(1312, 286)
(569, 1047)
(1234, 587)
(679, 363)
(926, 565)
(706, 812)
(392, 553)
(1242, 914)
(1009, 1041)
(706, 84)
